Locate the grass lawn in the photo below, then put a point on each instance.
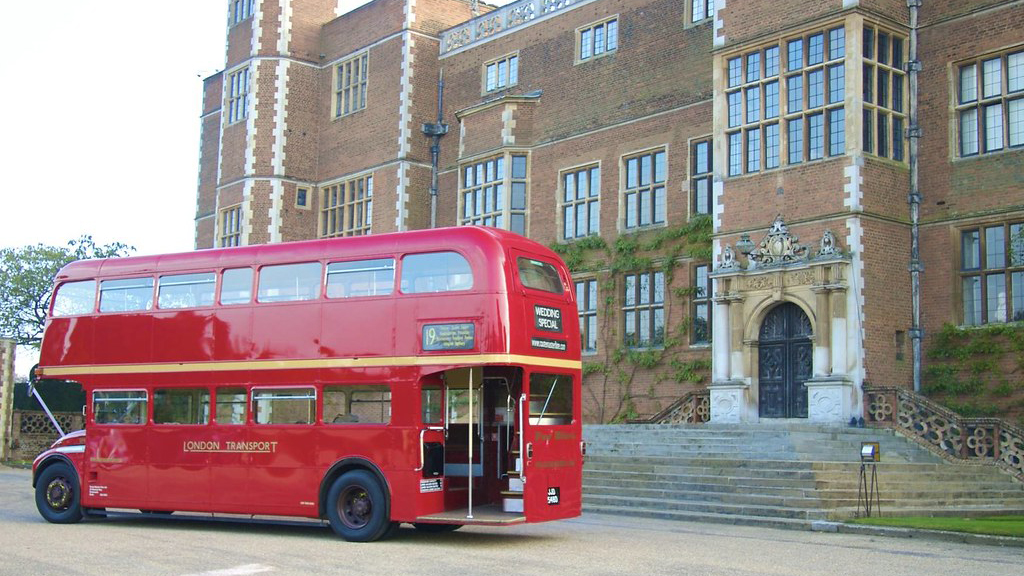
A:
(991, 525)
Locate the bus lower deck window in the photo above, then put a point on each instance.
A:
(119, 407)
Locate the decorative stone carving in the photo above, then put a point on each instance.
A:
(729, 261)
(801, 278)
(829, 247)
(829, 400)
(760, 282)
(726, 404)
(521, 14)
(778, 246)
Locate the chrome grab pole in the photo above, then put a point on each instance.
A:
(523, 407)
(469, 430)
(422, 432)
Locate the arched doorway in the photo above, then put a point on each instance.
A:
(784, 362)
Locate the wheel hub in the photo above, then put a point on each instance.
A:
(58, 494)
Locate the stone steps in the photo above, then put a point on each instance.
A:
(777, 475)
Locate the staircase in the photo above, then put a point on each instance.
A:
(779, 474)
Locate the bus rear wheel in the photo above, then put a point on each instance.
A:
(58, 495)
(357, 507)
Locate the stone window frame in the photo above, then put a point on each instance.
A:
(698, 176)
(308, 192)
(346, 207)
(350, 84)
(978, 102)
(634, 309)
(238, 86)
(587, 298)
(701, 297)
(495, 181)
(240, 10)
(505, 73)
(229, 223)
(981, 272)
(591, 201)
(700, 11)
(587, 43)
(755, 76)
(887, 118)
(653, 186)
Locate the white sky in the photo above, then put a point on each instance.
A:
(101, 103)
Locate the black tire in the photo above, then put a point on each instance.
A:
(357, 507)
(59, 494)
(436, 528)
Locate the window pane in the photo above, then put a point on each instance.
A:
(1018, 296)
(883, 134)
(370, 404)
(969, 132)
(771, 100)
(660, 167)
(897, 92)
(836, 43)
(815, 89)
(972, 300)
(753, 104)
(437, 272)
(897, 138)
(612, 42)
(702, 162)
(519, 166)
(970, 250)
(795, 136)
(556, 389)
(284, 405)
(968, 83)
(795, 94)
(126, 295)
(867, 125)
(1016, 113)
(815, 49)
(836, 83)
(75, 298)
(186, 290)
(181, 406)
(1016, 245)
(836, 132)
(771, 146)
(586, 42)
(991, 71)
(883, 48)
(816, 136)
(1015, 72)
(995, 247)
(753, 67)
(993, 127)
(753, 150)
(771, 61)
(360, 278)
(735, 72)
(119, 407)
(735, 110)
(995, 297)
(735, 154)
(231, 405)
(289, 282)
(539, 275)
(795, 55)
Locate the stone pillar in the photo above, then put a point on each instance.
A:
(720, 341)
(822, 328)
(6, 396)
(729, 390)
(840, 362)
(830, 394)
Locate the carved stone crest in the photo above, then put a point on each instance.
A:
(729, 261)
(778, 246)
(829, 247)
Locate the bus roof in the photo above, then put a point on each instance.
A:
(486, 241)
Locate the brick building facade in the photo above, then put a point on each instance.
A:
(806, 139)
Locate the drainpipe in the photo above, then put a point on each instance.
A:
(435, 131)
(913, 67)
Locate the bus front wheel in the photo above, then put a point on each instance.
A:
(357, 507)
(58, 495)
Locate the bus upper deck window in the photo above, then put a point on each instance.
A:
(436, 272)
(361, 278)
(289, 282)
(126, 295)
(539, 276)
(186, 290)
(75, 298)
(236, 286)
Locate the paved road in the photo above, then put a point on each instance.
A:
(593, 544)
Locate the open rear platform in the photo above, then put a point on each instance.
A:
(485, 515)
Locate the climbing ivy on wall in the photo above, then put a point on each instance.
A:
(977, 371)
(610, 377)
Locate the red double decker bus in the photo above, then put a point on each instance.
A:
(428, 377)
